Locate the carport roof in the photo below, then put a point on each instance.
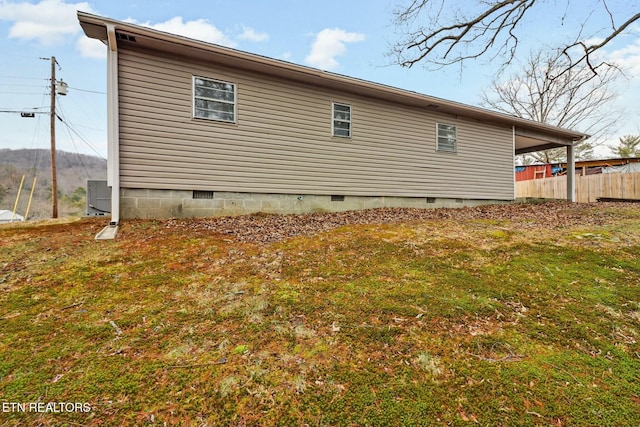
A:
(529, 135)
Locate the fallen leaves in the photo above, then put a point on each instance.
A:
(271, 228)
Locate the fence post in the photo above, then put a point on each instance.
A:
(571, 174)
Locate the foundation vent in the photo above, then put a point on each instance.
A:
(197, 194)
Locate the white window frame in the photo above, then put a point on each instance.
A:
(334, 120)
(451, 145)
(234, 102)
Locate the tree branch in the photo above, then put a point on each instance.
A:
(589, 50)
(577, 99)
(491, 23)
(447, 40)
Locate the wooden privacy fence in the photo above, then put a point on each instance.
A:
(588, 188)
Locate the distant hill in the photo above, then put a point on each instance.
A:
(73, 172)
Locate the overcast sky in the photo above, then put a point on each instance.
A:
(349, 37)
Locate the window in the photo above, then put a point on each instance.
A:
(342, 120)
(214, 100)
(447, 140)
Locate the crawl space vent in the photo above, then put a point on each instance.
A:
(202, 194)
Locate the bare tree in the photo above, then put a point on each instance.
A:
(577, 99)
(438, 33)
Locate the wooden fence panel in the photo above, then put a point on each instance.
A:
(588, 188)
(629, 187)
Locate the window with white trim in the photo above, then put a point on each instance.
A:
(341, 120)
(214, 100)
(446, 137)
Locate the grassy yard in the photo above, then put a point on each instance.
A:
(459, 320)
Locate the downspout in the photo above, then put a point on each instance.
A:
(113, 130)
(513, 141)
(113, 136)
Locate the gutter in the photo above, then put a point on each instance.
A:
(315, 76)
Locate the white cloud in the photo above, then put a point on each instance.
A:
(328, 44)
(199, 30)
(286, 56)
(593, 41)
(49, 22)
(627, 58)
(625, 54)
(91, 48)
(251, 35)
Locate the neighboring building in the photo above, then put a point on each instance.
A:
(582, 168)
(197, 129)
(592, 167)
(9, 216)
(538, 171)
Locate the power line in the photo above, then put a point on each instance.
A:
(26, 110)
(38, 153)
(29, 93)
(45, 80)
(62, 118)
(87, 127)
(82, 138)
(21, 85)
(76, 147)
(86, 90)
(20, 93)
(23, 78)
(22, 109)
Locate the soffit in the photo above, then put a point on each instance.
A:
(530, 136)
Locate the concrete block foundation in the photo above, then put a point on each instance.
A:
(157, 204)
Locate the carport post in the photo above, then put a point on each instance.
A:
(571, 173)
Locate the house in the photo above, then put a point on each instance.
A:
(197, 129)
(8, 216)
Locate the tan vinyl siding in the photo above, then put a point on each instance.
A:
(281, 141)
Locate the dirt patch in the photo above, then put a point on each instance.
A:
(272, 228)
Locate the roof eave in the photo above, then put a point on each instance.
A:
(94, 26)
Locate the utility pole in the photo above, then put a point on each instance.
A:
(54, 174)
